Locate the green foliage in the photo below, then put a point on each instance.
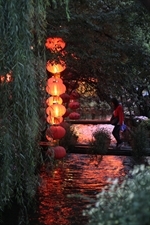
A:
(126, 203)
(111, 45)
(21, 33)
(139, 141)
(100, 142)
(145, 124)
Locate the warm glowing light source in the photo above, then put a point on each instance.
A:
(54, 120)
(54, 79)
(2, 78)
(55, 44)
(54, 99)
(56, 89)
(56, 110)
(54, 67)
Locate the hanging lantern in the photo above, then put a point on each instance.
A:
(54, 67)
(74, 95)
(65, 97)
(2, 78)
(55, 44)
(56, 110)
(59, 152)
(56, 132)
(54, 120)
(54, 79)
(74, 105)
(68, 111)
(74, 116)
(54, 99)
(56, 89)
(9, 77)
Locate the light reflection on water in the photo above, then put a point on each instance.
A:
(76, 175)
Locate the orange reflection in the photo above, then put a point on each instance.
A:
(77, 175)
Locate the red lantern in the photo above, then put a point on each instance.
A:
(59, 152)
(54, 79)
(65, 97)
(54, 99)
(68, 111)
(74, 95)
(9, 77)
(54, 120)
(55, 44)
(74, 116)
(74, 105)
(56, 89)
(2, 78)
(56, 132)
(56, 110)
(54, 67)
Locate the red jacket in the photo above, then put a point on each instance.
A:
(119, 113)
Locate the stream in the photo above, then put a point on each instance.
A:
(75, 181)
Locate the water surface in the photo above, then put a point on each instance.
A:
(82, 178)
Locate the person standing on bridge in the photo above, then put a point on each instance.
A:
(117, 120)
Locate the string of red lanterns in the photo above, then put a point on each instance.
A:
(55, 108)
(57, 99)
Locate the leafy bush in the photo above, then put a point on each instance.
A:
(145, 124)
(126, 204)
(139, 141)
(100, 142)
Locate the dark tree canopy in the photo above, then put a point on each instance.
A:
(110, 42)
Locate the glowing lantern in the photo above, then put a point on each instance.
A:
(59, 152)
(54, 79)
(55, 43)
(54, 99)
(9, 77)
(2, 78)
(65, 97)
(74, 105)
(54, 120)
(74, 116)
(56, 132)
(56, 89)
(56, 110)
(54, 67)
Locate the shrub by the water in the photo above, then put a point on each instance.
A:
(126, 204)
(139, 142)
(100, 142)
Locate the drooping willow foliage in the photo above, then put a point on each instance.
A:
(22, 35)
(22, 56)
